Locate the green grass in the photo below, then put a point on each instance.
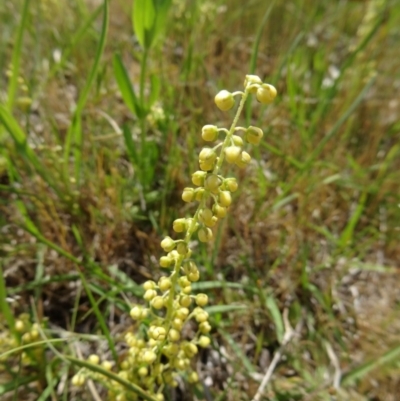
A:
(91, 176)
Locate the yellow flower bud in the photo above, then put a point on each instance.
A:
(232, 153)
(188, 194)
(237, 140)
(179, 225)
(199, 192)
(205, 215)
(136, 312)
(166, 261)
(266, 93)
(193, 377)
(253, 135)
(211, 222)
(174, 335)
(78, 380)
(205, 166)
(177, 324)
(94, 359)
(187, 290)
(170, 350)
(200, 315)
(194, 276)
(164, 283)
(204, 341)
(158, 333)
(212, 182)
(209, 133)
(149, 285)
(201, 299)
(182, 313)
(198, 178)
(205, 234)
(219, 211)
(182, 248)
(143, 371)
(149, 295)
(19, 326)
(183, 281)
(205, 327)
(224, 100)
(157, 302)
(245, 159)
(252, 80)
(225, 198)
(185, 301)
(179, 364)
(107, 365)
(168, 244)
(207, 155)
(149, 357)
(231, 184)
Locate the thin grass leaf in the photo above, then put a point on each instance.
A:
(112, 376)
(283, 202)
(39, 273)
(161, 8)
(149, 20)
(30, 227)
(347, 234)
(155, 90)
(272, 306)
(339, 123)
(32, 285)
(125, 87)
(237, 350)
(208, 285)
(15, 384)
(16, 57)
(21, 143)
(254, 52)
(361, 371)
(224, 308)
(74, 134)
(35, 344)
(282, 154)
(4, 307)
(324, 105)
(51, 384)
(74, 41)
(143, 20)
(130, 146)
(100, 317)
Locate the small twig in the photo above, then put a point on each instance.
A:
(335, 362)
(289, 334)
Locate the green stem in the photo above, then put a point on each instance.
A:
(16, 57)
(231, 131)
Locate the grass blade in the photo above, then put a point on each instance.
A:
(112, 376)
(21, 142)
(125, 86)
(74, 41)
(74, 134)
(16, 57)
(143, 19)
(365, 368)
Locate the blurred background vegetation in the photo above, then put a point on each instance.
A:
(91, 173)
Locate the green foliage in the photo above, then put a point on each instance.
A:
(148, 20)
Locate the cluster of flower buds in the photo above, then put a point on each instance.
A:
(155, 359)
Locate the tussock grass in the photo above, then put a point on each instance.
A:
(314, 229)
